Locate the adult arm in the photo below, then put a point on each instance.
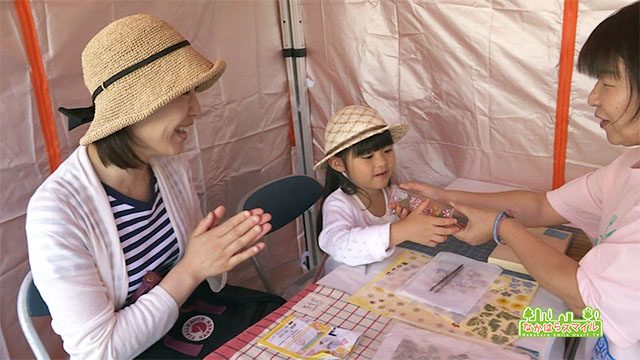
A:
(532, 209)
(79, 285)
(79, 293)
(552, 269)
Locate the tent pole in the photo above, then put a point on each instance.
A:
(294, 52)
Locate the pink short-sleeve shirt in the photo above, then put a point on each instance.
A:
(605, 204)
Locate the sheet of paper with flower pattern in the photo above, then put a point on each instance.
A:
(379, 296)
(404, 342)
(511, 293)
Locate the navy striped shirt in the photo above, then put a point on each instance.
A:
(148, 240)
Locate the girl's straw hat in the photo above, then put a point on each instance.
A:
(352, 124)
(135, 66)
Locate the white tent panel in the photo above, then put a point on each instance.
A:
(240, 141)
(23, 166)
(476, 80)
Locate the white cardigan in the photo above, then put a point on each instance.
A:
(79, 267)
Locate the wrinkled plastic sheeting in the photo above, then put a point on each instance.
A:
(23, 166)
(239, 142)
(475, 79)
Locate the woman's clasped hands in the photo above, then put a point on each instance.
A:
(217, 248)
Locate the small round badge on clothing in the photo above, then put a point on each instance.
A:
(197, 328)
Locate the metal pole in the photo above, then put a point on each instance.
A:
(295, 58)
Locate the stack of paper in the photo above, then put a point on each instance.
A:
(461, 292)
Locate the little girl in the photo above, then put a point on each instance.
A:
(360, 223)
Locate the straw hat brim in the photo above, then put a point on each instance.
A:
(139, 94)
(398, 131)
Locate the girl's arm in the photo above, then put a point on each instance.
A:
(347, 238)
(422, 229)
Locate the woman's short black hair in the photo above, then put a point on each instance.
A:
(615, 39)
(117, 149)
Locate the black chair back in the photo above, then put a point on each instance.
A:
(35, 304)
(285, 198)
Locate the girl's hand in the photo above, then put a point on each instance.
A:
(214, 249)
(425, 191)
(480, 227)
(398, 209)
(422, 229)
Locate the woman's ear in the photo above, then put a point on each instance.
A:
(337, 164)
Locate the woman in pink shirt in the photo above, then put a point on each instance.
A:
(605, 203)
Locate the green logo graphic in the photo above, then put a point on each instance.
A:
(538, 323)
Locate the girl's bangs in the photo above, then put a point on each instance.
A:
(371, 144)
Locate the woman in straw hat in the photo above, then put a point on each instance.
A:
(360, 224)
(605, 203)
(121, 206)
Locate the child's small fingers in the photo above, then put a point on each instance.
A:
(422, 207)
(410, 186)
(443, 222)
(439, 238)
(448, 230)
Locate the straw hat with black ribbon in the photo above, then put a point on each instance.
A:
(132, 68)
(352, 124)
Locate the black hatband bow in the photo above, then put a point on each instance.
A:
(79, 116)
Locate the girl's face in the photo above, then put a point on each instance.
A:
(371, 171)
(165, 131)
(615, 108)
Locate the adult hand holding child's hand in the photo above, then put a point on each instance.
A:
(479, 230)
(421, 228)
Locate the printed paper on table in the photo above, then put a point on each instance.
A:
(309, 339)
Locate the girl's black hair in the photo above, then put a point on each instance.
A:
(615, 38)
(335, 180)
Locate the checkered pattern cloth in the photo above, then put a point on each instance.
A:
(340, 313)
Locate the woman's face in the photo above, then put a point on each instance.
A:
(615, 108)
(165, 131)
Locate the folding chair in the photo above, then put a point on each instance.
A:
(285, 199)
(30, 304)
